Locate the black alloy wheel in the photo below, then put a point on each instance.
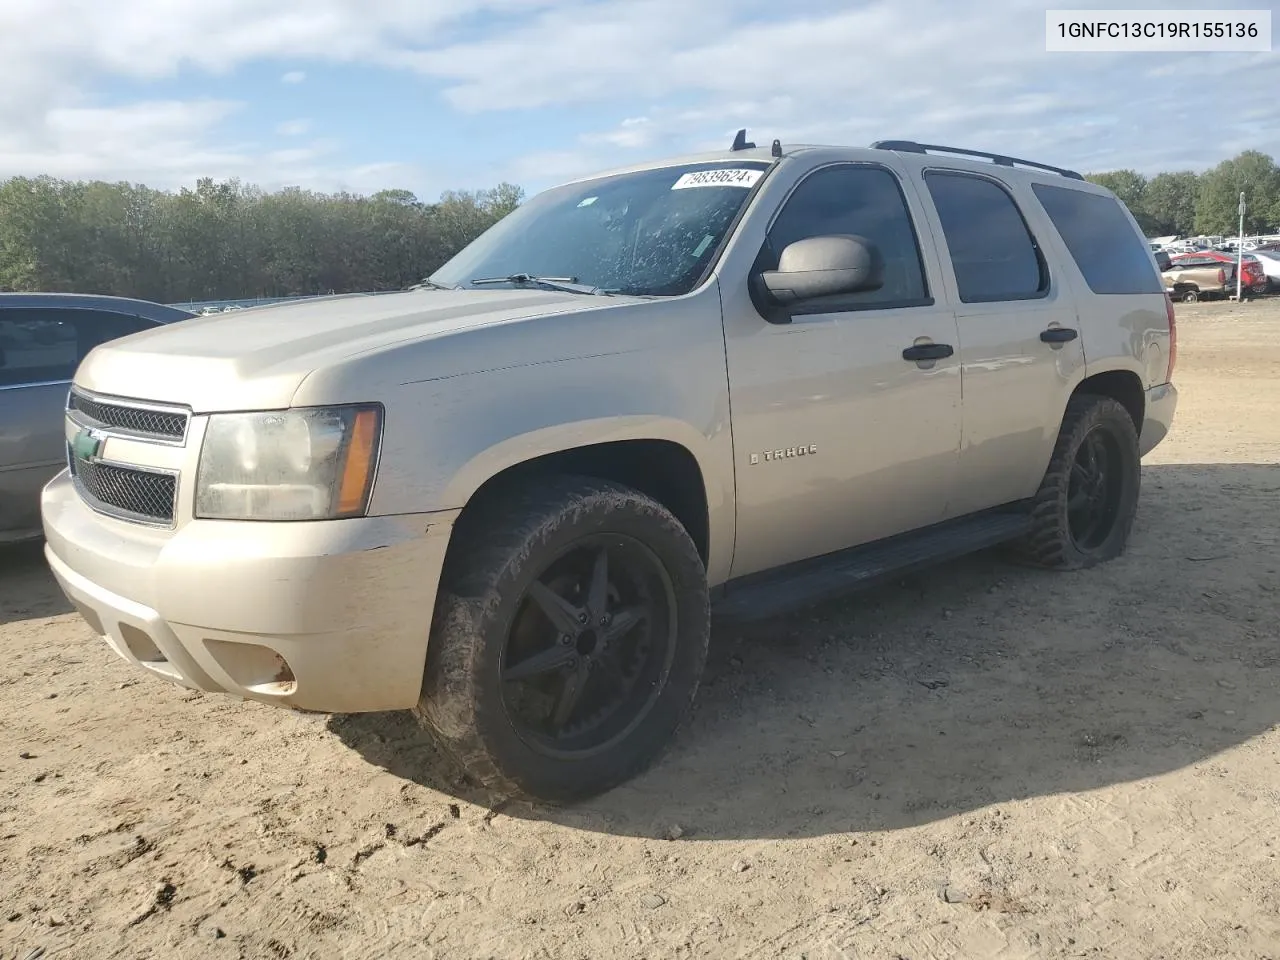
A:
(568, 639)
(1094, 490)
(590, 647)
(1088, 499)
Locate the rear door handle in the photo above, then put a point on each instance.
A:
(928, 351)
(1058, 335)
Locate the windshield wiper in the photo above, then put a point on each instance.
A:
(567, 284)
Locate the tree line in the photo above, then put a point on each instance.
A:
(1193, 204)
(228, 240)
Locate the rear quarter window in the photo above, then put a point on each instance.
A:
(1111, 255)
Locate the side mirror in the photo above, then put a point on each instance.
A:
(824, 267)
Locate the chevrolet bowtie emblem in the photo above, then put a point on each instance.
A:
(87, 444)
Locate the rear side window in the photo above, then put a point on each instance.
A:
(1110, 254)
(992, 250)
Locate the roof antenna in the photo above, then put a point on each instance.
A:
(740, 142)
(777, 149)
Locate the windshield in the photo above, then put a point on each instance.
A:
(651, 233)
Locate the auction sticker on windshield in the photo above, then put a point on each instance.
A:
(718, 178)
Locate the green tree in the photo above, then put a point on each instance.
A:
(227, 240)
(1252, 173)
(25, 219)
(1170, 202)
(404, 198)
(501, 200)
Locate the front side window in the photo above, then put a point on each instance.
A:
(864, 201)
(651, 233)
(992, 250)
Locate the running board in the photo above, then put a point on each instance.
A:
(807, 582)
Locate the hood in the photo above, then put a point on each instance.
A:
(257, 358)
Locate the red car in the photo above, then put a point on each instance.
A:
(1255, 278)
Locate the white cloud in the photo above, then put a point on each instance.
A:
(681, 76)
(632, 133)
(293, 128)
(550, 166)
(170, 144)
(115, 143)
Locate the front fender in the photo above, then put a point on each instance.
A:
(445, 438)
(557, 437)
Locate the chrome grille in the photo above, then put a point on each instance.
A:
(142, 421)
(136, 494)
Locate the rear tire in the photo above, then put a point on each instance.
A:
(1082, 516)
(552, 673)
(1190, 296)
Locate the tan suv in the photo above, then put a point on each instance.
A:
(510, 499)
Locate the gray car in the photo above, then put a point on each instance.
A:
(43, 338)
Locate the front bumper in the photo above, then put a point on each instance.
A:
(330, 616)
(1161, 403)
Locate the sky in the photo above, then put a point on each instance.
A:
(431, 95)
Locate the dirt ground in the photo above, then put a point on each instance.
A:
(980, 762)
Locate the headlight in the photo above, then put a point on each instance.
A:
(304, 464)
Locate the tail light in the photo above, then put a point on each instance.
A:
(1173, 337)
(1222, 279)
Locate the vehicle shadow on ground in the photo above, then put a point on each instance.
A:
(978, 682)
(27, 588)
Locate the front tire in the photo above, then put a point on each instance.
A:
(568, 641)
(1087, 502)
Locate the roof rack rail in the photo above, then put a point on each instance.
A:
(910, 146)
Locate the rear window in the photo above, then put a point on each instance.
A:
(1101, 239)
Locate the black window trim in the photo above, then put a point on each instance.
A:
(813, 307)
(1047, 278)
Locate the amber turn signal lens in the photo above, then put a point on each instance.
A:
(357, 472)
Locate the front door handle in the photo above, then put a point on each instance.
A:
(928, 351)
(1058, 335)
